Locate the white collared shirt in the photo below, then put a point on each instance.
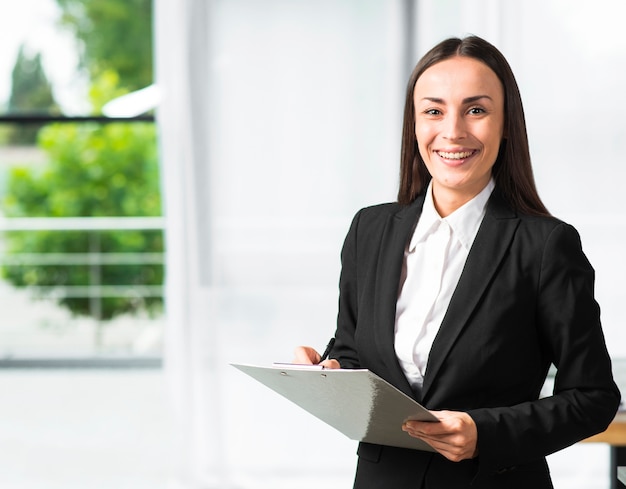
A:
(433, 262)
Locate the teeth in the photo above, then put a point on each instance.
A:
(455, 156)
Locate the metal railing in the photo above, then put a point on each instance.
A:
(95, 291)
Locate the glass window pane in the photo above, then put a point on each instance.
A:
(81, 264)
(81, 245)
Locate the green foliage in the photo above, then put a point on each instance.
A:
(30, 93)
(115, 35)
(105, 87)
(94, 170)
(31, 88)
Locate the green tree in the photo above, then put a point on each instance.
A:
(31, 92)
(114, 35)
(94, 170)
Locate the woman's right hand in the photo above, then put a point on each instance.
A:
(309, 356)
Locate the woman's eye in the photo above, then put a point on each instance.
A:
(476, 110)
(432, 112)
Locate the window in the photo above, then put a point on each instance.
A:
(81, 232)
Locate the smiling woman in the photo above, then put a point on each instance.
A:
(466, 291)
(459, 123)
(512, 168)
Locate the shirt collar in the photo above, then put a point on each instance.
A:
(464, 221)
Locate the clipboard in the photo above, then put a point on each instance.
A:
(358, 403)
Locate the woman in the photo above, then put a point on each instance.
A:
(465, 291)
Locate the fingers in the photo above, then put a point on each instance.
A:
(306, 355)
(309, 356)
(330, 364)
(455, 436)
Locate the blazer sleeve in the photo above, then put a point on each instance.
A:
(345, 350)
(585, 397)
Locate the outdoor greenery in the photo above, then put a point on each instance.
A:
(31, 93)
(94, 170)
(114, 35)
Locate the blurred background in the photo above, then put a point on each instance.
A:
(176, 180)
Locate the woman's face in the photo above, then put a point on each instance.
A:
(459, 124)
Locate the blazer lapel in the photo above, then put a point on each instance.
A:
(394, 239)
(493, 238)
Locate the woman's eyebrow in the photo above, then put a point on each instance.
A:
(475, 98)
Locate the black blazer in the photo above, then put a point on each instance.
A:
(524, 301)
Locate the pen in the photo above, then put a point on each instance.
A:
(329, 347)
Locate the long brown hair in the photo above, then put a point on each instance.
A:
(512, 171)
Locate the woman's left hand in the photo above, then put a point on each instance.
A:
(455, 436)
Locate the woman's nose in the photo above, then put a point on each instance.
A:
(454, 127)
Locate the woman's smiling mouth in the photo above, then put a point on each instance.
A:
(455, 155)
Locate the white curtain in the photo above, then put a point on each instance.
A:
(279, 119)
(190, 346)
